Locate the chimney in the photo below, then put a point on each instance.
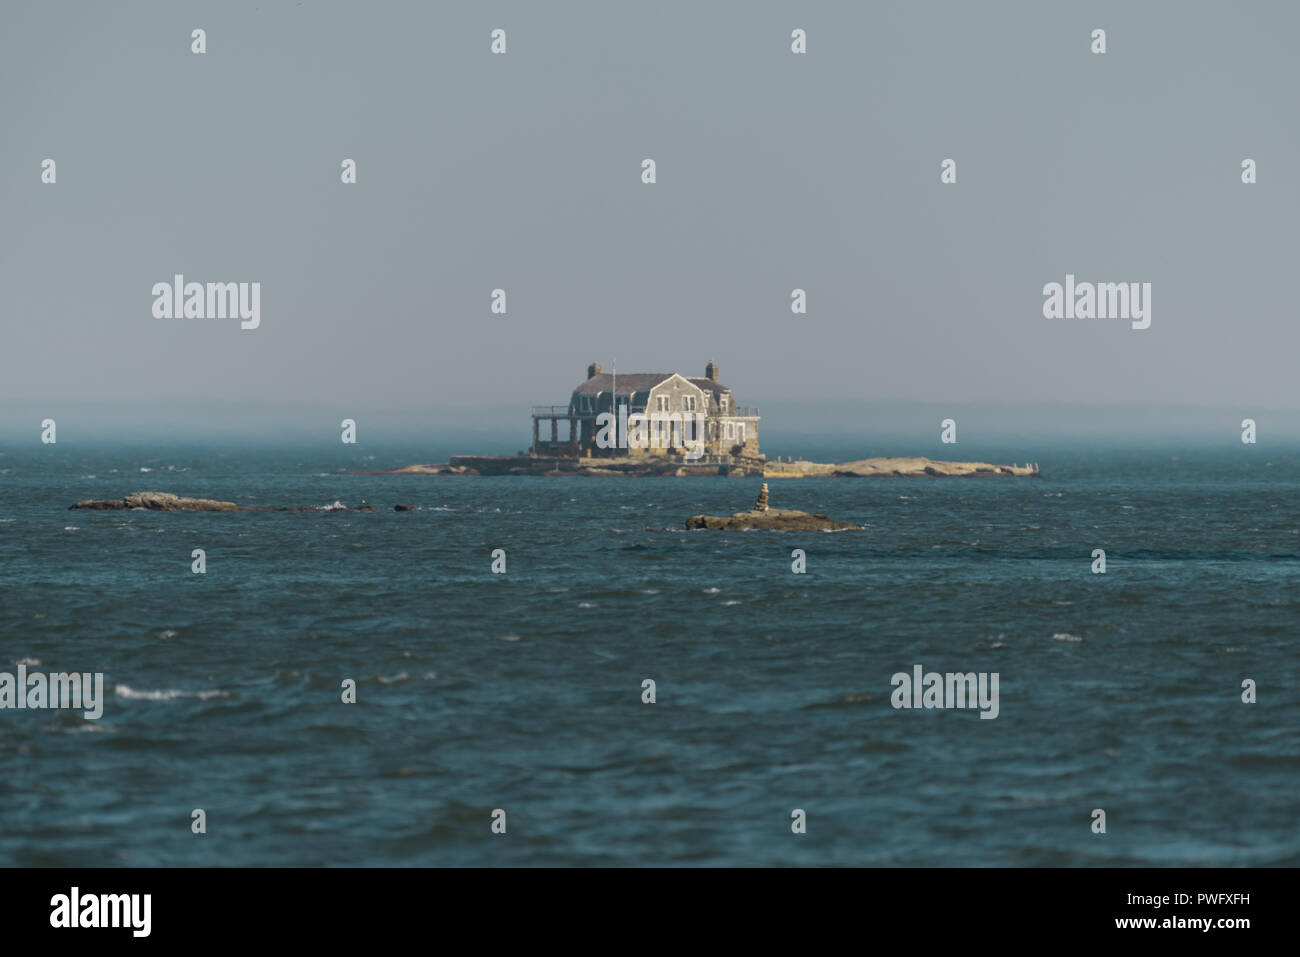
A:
(593, 370)
(711, 371)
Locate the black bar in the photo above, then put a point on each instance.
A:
(918, 907)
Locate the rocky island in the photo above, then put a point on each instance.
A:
(912, 466)
(762, 517)
(670, 424)
(157, 501)
(167, 502)
(916, 467)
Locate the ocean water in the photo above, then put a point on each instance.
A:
(523, 691)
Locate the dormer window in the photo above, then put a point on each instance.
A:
(722, 403)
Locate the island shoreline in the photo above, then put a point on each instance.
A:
(678, 467)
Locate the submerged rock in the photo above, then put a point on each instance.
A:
(406, 508)
(326, 509)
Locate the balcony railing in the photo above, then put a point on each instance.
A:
(546, 411)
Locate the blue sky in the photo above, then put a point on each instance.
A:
(522, 172)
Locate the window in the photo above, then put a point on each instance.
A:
(662, 403)
(731, 431)
(722, 403)
(688, 403)
(740, 433)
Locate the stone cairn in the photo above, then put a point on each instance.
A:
(761, 504)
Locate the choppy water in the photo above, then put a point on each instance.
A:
(522, 691)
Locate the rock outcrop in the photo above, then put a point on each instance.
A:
(918, 467)
(762, 517)
(432, 469)
(638, 466)
(774, 519)
(159, 501)
(167, 502)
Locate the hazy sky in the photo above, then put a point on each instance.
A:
(523, 172)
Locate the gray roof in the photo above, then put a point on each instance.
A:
(627, 383)
(630, 382)
(708, 385)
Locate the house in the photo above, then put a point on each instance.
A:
(648, 414)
